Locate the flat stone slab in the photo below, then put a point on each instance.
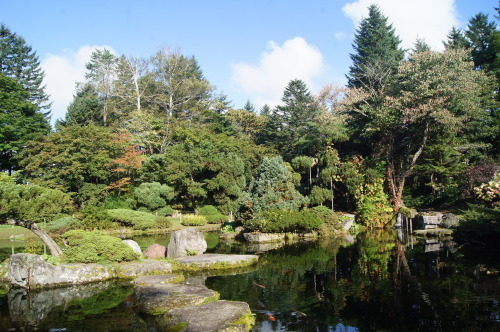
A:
(215, 316)
(158, 298)
(216, 261)
(157, 279)
(135, 269)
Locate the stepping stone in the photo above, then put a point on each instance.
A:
(158, 298)
(215, 261)
(215, 316)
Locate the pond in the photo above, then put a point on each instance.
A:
(376, 283)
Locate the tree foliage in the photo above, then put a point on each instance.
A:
(20, 120)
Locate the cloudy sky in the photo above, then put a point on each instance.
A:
(248, 49)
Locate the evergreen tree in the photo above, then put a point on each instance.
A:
(377, 53)
(272, 188)
(420, 46)
(86, 108)
(480, 34)
(294, 124)
(249, 107)
(19, 61)
(20, 120)
(456, 39)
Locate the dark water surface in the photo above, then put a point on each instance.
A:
(377, 283)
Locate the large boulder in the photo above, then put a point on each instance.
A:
(155, 251)
(449, 220)
(257, 237)
(32, 271)
(186, 242)
(135, 247)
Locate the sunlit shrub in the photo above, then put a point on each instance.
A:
(62, 225)
(95, 247)
(136, 219)
(165, 211)
(193, 220)
(208, 210)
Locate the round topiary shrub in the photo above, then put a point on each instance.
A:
(208, 210)
(95, 247)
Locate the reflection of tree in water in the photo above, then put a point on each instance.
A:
(375, 284)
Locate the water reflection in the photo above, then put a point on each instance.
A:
(377, 282)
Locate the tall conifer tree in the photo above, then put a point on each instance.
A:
(19, 61)
(377, 52)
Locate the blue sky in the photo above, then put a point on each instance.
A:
(249, 50)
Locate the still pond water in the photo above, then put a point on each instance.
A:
(377, 282)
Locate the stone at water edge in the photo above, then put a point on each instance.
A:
(135, 247)
(449, 220)
(32, 271)
(214, 316)
(348, 220)
(186, 242)
(257, 237)
(155, 251)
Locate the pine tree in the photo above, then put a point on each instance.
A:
(19, 61)
(377, 53)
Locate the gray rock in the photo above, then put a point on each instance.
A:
(159, 298)
(135, 247)
(257, 237)
(347, 221)
(31, 271)
(187, 241)
(155, 251)
(216, 261)
(135, 269)
(449, 220)
(215, 316)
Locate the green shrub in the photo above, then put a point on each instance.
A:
(208, 210)
(62, 225)
(216, 218)
(163, 222)
(165, 211)
(93, 217)
(117, 202)
(94, 247)
(135, 219)
(280, 221)
(327, 216)
(193, 220)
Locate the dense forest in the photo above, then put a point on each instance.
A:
(412, 129)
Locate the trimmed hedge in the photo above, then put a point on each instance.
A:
(139, 220)
(95, 247)
(193, 220)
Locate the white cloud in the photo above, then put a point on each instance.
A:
(62, 71)
(430, 20)
(264, 83)
(339, 35)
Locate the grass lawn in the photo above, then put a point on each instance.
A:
(6, 231)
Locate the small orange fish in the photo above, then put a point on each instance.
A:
(271, 317)
(261, 286)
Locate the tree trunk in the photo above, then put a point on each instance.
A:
(55, 250)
